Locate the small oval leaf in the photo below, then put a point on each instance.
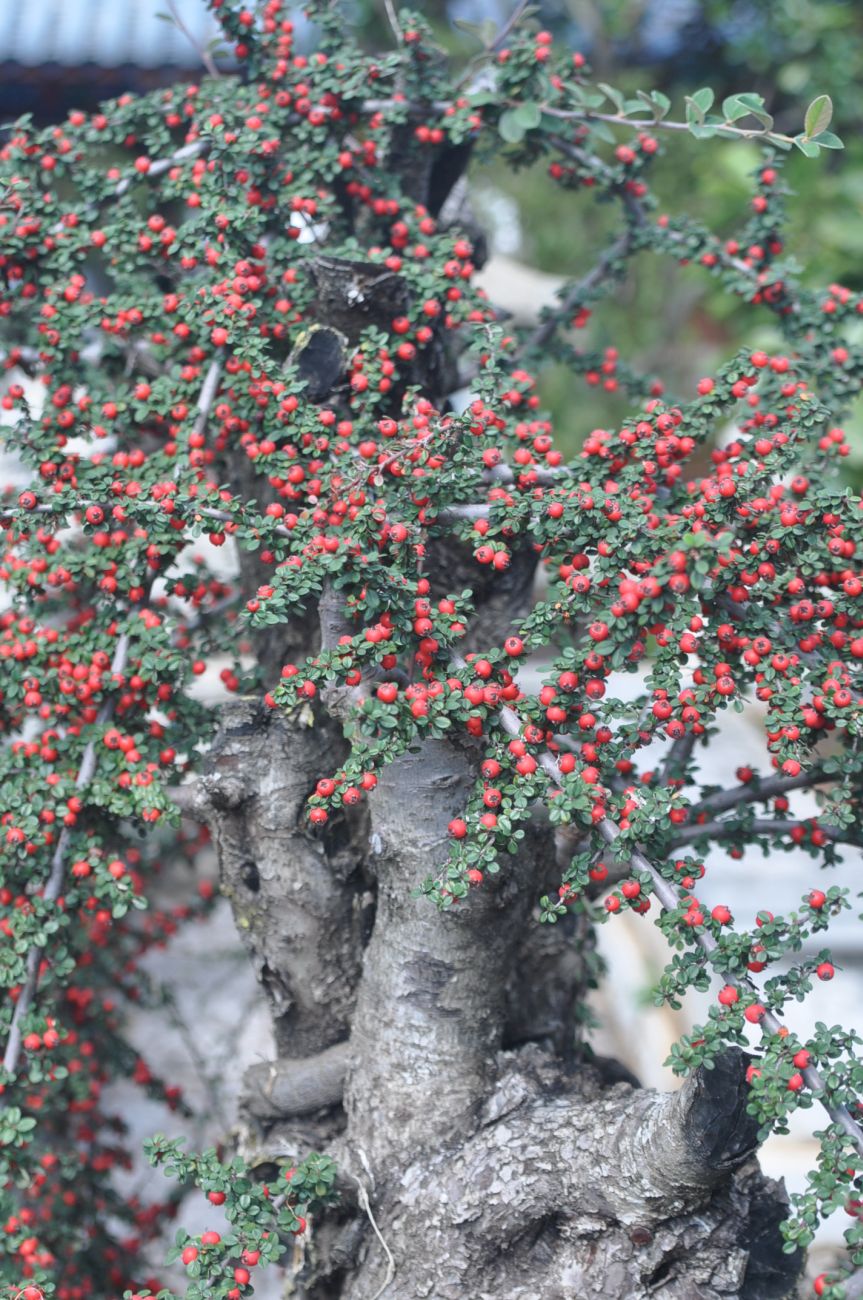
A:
(819, 115)
(510, 127)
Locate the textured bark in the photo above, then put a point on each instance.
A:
(274, 1089)
(437, 1062)
(432, 1003)
(300, 902)
(596, 1192)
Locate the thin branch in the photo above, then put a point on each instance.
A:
(510, 25)
(722, 830)
(211, 1078)
(662, 124)
(205, 55)
(161, 165)
(760, 791)
(392, 19)
(678, 757)
(576, 295)
(184, 798)
(451, 514)
(635, 208)
(207, 396)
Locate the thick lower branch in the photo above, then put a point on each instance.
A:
(635, 1155)
(276, 1089)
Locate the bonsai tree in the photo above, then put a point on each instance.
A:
(246, 311)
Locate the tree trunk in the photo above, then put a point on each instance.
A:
(433, 1054)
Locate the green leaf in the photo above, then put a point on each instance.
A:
(614, 95)
(644, 101)
(510, 128)
(754, 104)
(661, 102)
(702, 99)
(528, 115)
(600, 131)
(808, 147)
(656, 102)
(735, 107)
(827, 140)
(819, 115)
(480, 98)
(484, 32)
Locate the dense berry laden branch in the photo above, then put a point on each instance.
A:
(54, 885)
(670, 898)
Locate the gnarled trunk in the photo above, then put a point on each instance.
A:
(495, 1161)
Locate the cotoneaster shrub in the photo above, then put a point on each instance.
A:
(163, 267)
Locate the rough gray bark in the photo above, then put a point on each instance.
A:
(300, 902)
(491, 1173)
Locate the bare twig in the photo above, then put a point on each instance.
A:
(392, 19)
(760, 791)
(209, 1076)
(161, 165)
(207, 396)
(510, 24)
(677, 758)
(205, 55)
(576, 295)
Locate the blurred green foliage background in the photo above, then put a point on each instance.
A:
(665, 319)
